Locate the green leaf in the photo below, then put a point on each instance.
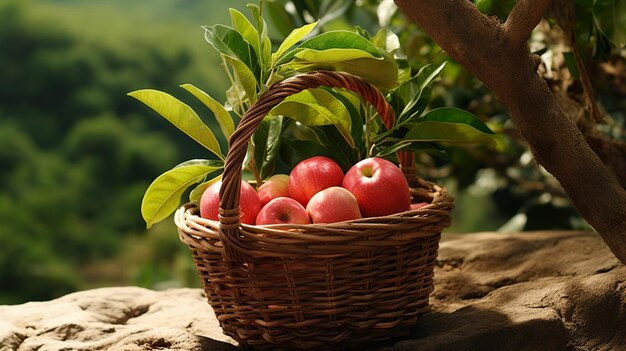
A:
(570, 62)
(217, 164)
(452, 125)
(454, 133)
(266, 140)
(244, 77)
(335, 40)
(293, 38)
(242, 25)
(163, 195)
(382, 73)
(316, 107)
(411, 92)
(232, 45)
(196, 193)
(180, 115)
(420, 147)
(265, 43)
(610, 18)
(293, 151)
(331, 55)
(352, 103)
(386, 40)
(221, 115)
(456, 115)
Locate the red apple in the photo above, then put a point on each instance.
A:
(276, 186)
(418, 205)
(379, 187)
(282, 210)
(312, 176)
(249, 202)
(334, 204)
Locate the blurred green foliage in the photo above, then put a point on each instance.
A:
(77, 154)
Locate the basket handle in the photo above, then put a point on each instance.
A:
(229, 213)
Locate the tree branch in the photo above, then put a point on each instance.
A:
(524, 17)
(478, 43)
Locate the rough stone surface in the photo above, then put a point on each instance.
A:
(493, 291)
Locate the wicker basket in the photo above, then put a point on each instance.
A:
(316, 286)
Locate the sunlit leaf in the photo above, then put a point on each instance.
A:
(245, 77)
(293, 38)
(242, 25)
(163, 196)
(334, 40)
(331, 55)
(221, 115)
(382, 73)
(386, 40)
(316, 107)
(180, 115)
(265, 44)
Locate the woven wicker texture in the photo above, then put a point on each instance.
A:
(316, 286)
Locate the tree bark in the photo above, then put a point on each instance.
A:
(498, 55)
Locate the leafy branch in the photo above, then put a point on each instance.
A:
(321, 121)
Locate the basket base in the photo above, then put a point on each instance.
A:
(340, 304)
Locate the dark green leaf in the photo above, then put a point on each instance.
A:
(455, 115)
(265, 44)
(352, 104)
(450, 132)
(231, 44)
(411, 92)
(344, 154)
(570, 61)
(266, 140)
(610, 18)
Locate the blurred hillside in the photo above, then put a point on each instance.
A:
(76, 153)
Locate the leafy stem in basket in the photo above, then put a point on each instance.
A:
(321, 121)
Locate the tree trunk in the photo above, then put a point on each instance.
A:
(497, 54)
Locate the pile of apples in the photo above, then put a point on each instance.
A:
(317, 191)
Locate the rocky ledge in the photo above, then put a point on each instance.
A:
(493, 291)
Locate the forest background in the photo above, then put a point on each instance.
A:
(77, 154)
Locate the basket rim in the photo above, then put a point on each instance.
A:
(188, 220)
